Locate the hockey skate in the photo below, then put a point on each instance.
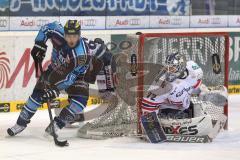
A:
(16, 129)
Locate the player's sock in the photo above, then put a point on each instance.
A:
(22, 121)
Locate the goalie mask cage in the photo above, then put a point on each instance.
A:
(122, 118)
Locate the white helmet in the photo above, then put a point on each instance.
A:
(175, 65)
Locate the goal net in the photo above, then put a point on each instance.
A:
(137, 65)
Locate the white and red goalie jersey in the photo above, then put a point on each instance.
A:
(178, 97)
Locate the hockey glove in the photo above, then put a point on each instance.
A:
(50, 94)
(39, 51)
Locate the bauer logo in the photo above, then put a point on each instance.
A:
(187, 139)
(4, 107)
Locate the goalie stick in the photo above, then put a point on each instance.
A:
(152, 127)
(56, 141)
(100, 135)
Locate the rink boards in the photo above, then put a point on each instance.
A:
(16, 106)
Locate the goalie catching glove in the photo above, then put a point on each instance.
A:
(217, 95)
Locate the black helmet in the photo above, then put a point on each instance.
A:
(72, 27)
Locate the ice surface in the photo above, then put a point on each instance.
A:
(32, 145)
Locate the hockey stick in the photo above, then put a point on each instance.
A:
(56, 141)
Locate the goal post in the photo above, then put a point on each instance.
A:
(139, 60)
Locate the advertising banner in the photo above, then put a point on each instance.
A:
(87, 22)
(205, 21)
(17, 71)
(234, 21)
(95, 7)
(234, 60)
(118, 22)
(4, 8)
(94, 14)
(17, 67)
(234, 63)
(30, 23)
(169, 22)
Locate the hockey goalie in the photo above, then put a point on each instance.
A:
(181, 103)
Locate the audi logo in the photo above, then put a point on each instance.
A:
(88, 22)
(3, 23)
(176, 21)
(41, 22)
(216, 21)
(135, 22)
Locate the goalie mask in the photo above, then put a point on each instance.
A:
(175, 65)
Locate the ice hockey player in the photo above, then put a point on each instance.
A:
(170, 94)
(75, 62)
(171, 90)
(183, 76)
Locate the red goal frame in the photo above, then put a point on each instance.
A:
(140, 61)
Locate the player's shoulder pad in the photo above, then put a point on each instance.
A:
(56, 26)
(194, 69)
